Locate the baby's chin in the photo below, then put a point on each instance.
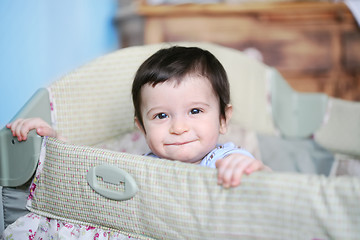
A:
(184, 159)
(192, 161)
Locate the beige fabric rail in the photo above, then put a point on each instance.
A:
(183, 201)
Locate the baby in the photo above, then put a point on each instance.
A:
(181, 98)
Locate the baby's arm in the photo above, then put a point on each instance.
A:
(233, 166)
(21, 127)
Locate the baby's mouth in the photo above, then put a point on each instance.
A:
(179, 143)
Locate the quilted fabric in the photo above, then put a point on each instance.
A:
(93, 103)
(183, 201)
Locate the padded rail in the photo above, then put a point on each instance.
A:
(183, 201)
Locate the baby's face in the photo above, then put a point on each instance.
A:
(182, 122)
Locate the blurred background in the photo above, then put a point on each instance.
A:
(314, 44)
(41, 41)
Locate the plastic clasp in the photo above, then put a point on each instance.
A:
(115, 177)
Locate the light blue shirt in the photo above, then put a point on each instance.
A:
(221, 151)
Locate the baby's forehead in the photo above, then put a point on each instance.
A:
(187, 79)
(191, 86)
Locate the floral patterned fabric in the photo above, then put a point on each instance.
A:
(33, 226)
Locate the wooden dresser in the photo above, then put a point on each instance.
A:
(315, 45)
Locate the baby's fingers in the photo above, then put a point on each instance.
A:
(230, 171)
(21, 127)
(238, 171)
(15, 128)
(222, 165)
(254, 166)
(12, 125)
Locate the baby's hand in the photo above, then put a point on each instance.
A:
(232, 167)
(21, 127)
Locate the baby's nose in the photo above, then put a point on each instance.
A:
(179, 126)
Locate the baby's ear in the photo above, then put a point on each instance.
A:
(224, 122)
(139, 126)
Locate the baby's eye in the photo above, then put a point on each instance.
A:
(195, 111)
(161, 115)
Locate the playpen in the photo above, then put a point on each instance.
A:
(98, 178)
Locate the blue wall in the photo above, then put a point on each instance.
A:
(42, 40)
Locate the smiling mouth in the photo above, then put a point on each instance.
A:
(179, 143)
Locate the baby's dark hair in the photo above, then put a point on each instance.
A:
(175, 63)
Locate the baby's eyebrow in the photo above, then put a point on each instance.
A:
(154, 109)
(200, 103)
